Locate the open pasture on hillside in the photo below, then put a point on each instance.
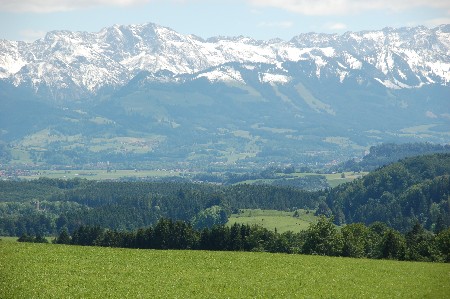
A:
(282, 221)
(58, 271)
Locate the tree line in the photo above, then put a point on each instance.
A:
(376, 241)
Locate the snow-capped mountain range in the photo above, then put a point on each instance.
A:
(145, 93)
(71, 65)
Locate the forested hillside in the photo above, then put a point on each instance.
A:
(416, 188)
(386, 153)
(45, 206)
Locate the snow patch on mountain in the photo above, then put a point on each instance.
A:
(223, 74)
(274, 78)
(441, 69)
(328, 51)
(11, 60)
(352, 61)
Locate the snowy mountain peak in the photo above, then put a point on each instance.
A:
(78, 64)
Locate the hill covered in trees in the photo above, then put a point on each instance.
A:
(413, 189)
(386, 153)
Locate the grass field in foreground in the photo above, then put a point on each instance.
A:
(59, 271)
(271, 219)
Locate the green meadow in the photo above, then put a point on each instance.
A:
(30, 270)
(282, 221)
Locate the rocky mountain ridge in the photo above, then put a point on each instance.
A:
(72, 65)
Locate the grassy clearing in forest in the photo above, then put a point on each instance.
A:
(30, 270)
(271, 219)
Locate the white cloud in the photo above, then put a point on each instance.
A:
(337, 26)
(282, 24)
(39, 6)
(342, 7)
(30, 35)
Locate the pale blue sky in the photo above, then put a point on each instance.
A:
(260, 19)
